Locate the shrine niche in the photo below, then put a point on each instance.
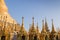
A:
(23, 37)
(3, 37)
(35, 37)
(57, 37)
(46, 37)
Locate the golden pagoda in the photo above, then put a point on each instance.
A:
(4, 12)
(22, 35)
(43, 32)
(43, 27)
(6, 23)
(37, 32)
(53, 34)
(46, 26)
(11, 30)
(32, 31)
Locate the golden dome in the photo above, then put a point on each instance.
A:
(4, 12)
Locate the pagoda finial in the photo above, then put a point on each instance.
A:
(53, 29)
(32, 19)
(37, 29)
(52, 21)
(37, 25)
(52, 25)
(46, 25)
(43, 24)
(22, 21)
(43, 27)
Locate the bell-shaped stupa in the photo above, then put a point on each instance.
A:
(4, 12)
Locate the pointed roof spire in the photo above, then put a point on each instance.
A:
(32, 28)
(43, 27)
(22, 26)
(46, 25)
(53, 29)
(22, 21)
(32, 20)
(37, 29)
(37, 25)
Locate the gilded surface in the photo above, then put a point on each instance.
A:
(10, 30)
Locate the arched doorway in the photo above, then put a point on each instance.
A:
(52, 37)
(35, 37)
(57, 37)
(3, 38)
(23, 37)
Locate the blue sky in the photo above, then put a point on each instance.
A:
(40, 9)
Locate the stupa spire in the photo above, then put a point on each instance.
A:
(37, 25)
(43, 27)
(32, 26)
(37, 29)
(53, 29)
(46, 25)
(32, 20)
(22, 21)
